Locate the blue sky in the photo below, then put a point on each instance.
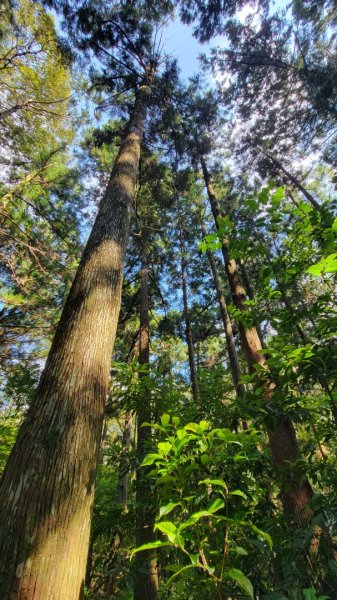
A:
(178, 41)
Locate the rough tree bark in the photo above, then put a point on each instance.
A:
(47, 488)
(250, 292)
(189, 336)
(146, 574)
(282, 437)
(89, 565)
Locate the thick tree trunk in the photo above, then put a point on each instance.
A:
(146, 574)
(250, 292)
(189, 336)
(230, 344)
(282, 438)
(47, 488)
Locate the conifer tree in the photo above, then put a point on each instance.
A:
(48, 484)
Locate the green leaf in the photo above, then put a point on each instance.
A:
(164, 448)
(325, 265)
(309, 594)
(181, 571)
(262, 534)
(169, 529)
(150, 459)
(224, 221)
(277, 196)
(238, 493)
(238, 550)
(228, 437)
(216, 505)
(165, 510)
(264, 195)
(315, 270)
(242, 581)
(205, 459)
(331, 263)
(239, 457)
(179, 444)
(191, 427)
(194, 557)
(153, 426)
(165, 419)
(204, 425)
(149, 546)
(193, 519)
(219, 482)
(211, 237)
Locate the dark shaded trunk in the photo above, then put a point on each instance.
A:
(90, 560)
(227, 324)
(47, 489)
(188, 328)
(282, 437)
(124, 465)
(146, 574)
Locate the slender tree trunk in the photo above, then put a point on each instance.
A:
(230, 344)
(47, 488)
(282, 438)
(189, 336)
(124, 465)
(146, 574)
(296, 183)
(103, 442)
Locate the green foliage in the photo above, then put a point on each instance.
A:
(210, 517)
(9, 425)
(325, 265)
(39, 189)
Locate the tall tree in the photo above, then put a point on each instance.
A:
(226, 320)
(45, 537)
(187, 319)
(282, 437)
(146, 577)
